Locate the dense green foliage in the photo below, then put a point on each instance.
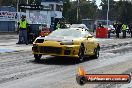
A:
(120, 11)
(87, 9)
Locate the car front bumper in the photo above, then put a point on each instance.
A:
(71, 50)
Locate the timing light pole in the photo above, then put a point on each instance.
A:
(27, 1)
(108, 14)
(17, 5)
(17, 8)
(77, 10)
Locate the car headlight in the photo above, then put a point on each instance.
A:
(34, 45)
(39, 41)
(66, 43)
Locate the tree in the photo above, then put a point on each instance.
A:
(119, 10)
(123, 9)
(87, 9)
(112, 10)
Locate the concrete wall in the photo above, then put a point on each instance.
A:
(7, 26)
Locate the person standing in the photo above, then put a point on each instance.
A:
(29, 34)
(124, 30)
(100, 25)
(109, 33)
(45, 31)
(58, 25)
(115, 25)
(94, 27)
(130, 29)
(22, 25)
(119, 25)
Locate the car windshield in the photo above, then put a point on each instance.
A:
(67, 33)
(78, 26)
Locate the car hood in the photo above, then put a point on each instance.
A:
(59, 39)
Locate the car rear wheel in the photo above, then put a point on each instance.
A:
(96, 53)
(37, 57)
(81, 53)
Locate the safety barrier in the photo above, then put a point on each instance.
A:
(101, 32)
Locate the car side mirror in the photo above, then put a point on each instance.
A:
(89, 36)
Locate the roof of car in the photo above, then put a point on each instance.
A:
(72, 29)
(79, 26)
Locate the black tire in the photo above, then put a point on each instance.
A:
(37, 57)
(96, 53)
(81, 80)
(81, 53)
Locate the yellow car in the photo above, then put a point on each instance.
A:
(71, 42)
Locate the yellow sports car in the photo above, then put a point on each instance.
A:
(71, 42)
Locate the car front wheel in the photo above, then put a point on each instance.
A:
(37, 57)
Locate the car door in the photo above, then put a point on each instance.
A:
(89, 45)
